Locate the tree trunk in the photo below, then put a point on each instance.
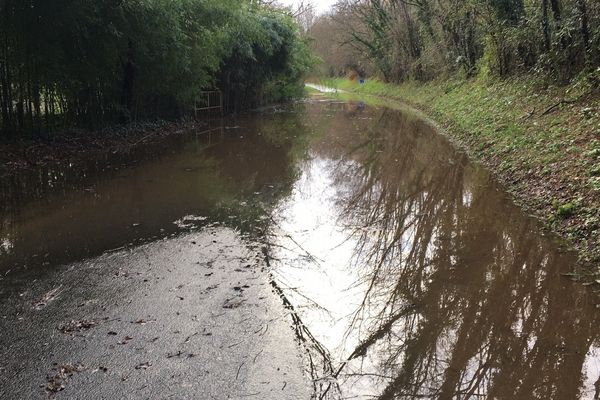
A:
(545, 25)
(127, 94)
(5, 102)
(585, 30)
(556, 11)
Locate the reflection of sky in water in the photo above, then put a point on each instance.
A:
(308, 217)
(316, 271)
(320, 272)
(590, 369)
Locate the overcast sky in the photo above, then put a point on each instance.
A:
(321, 6)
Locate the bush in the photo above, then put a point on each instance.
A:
(90, 63)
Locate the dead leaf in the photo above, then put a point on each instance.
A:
(77, 326)
(144, 366)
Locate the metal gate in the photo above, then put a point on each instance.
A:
(209, 102)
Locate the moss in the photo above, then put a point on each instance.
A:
(565, 210)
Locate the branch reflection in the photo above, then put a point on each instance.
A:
(464, 298)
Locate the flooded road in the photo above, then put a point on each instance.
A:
(408, 271)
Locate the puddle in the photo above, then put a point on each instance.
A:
(407, 264)
(55, 216)
(421, 278)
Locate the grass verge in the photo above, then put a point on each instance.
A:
(543, 143)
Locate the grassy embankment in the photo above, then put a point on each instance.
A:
(543, 143)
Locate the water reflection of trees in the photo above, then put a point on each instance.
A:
(464, 299)
(66, 213)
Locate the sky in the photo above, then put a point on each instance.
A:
(321, 6)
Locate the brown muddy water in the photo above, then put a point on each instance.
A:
(410, 273)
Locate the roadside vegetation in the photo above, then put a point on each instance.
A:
(91, 64)
(423, 40)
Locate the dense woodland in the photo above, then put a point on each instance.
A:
(90, 63)
(424, 39)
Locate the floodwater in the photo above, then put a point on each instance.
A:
(409, 271)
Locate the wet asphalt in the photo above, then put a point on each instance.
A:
(191, 317)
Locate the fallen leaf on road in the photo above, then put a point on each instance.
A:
(234, 302)
(145, 365)
(76, 326)
(57, 382)
(142, 321)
